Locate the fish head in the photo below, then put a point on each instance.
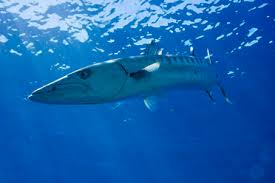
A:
(94, 84)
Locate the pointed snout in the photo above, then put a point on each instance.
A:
(42, 94)
(31, 97)
(66, 90)
(34, 97)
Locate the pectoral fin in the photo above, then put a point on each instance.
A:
(150, 103)
(152, 68)
(117, 105)
(224, 94)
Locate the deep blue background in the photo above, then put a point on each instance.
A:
(187, 140)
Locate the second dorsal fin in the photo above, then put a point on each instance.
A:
(209, 56)
(152, 49)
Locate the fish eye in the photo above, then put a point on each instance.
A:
(84, 74)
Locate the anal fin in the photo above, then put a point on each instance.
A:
(224, 94)
(209, 93)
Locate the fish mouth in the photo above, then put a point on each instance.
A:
(60, 93)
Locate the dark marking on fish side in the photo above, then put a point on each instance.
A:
(169, 60)
(174, 59)
(190, 60)
(139, 74)
(198, 61)
(181, 59)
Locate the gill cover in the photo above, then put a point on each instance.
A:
(107, 80)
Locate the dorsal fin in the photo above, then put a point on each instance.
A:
(152, 49)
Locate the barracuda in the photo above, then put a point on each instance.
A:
(121, 78)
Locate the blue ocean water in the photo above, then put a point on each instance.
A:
(188, 139)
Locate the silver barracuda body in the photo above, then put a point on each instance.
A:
(121, 78)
